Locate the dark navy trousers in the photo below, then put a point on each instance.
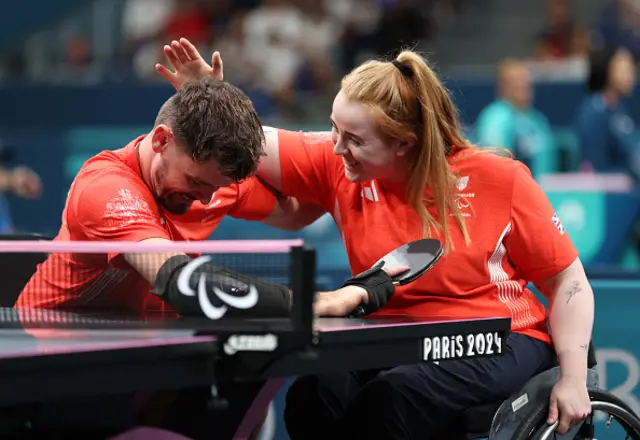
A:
(420, 402)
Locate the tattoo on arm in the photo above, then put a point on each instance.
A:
(573, 290)
(585, 347)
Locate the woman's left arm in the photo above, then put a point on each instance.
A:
(571, 314)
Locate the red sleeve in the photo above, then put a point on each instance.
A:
(114, 207)
(255, 201)
(538, 244)
(308, 166)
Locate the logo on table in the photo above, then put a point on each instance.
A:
(238, 343)
(247, 301)
(438, 348)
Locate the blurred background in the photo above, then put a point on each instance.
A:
(552, 80)
(78, 76)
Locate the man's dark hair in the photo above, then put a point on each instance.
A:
(216, 120)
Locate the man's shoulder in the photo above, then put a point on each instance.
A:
(106, 179)
(117, 161)
(105, 159)
(105, 168)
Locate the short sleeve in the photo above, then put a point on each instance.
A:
(308, 166)
(115, 207)
(538, 245)
(255, 201)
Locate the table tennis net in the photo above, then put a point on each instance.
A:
(95, 276)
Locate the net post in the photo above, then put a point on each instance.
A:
(303, 287)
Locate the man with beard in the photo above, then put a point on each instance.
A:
(175, 183)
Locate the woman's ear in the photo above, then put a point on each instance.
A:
(403, 147)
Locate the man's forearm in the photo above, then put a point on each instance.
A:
(571, 312)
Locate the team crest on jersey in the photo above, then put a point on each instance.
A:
(558, 224)
(462, 183)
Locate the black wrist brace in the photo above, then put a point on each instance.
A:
(379, 287)
(195, 287)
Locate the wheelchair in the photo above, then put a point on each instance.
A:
(524, 415)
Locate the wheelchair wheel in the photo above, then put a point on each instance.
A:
(601, 400)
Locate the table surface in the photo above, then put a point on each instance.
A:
(46, 354)
(30, 332)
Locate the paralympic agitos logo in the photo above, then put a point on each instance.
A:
(249, 300)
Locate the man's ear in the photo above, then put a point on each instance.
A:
(160, 138)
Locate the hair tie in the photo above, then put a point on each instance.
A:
(404, 69)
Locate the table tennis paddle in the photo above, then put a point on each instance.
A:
(419, 256)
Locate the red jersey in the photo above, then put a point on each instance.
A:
(108, 200)
(516, 237)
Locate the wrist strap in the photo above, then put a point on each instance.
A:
(377, 283)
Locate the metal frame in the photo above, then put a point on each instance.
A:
(303, 275)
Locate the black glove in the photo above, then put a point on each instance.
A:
(379, 287)
(271, 299)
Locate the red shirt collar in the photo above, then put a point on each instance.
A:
(130, 155)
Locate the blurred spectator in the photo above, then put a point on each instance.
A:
(380, 27)
(20, 181)
(79, 54)
(232, 45)
(404, 23)
(618, 24)
(604, 128)
(274, 32)
(321, 32)
(172, 19)
(220, 13)
(77, 65)
(190, 20)
(360, 20)
(142, 22)
(562, 38)
(275, 20)
(512, 122)
(320, 28)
